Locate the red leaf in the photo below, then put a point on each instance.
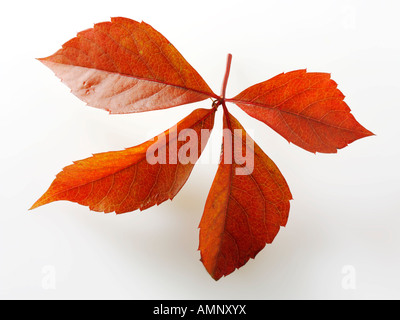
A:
(127, 180)
(307, 109)
(124, 66)
(242, 212)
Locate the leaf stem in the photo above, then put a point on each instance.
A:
(226, 115)
(225, 82)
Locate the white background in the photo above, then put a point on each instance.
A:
(345, 216)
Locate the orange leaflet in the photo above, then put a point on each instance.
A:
(133, 178)
(124, 66)
(244, 211)
(307, 109)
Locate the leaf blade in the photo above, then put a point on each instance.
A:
(306, 108)
(130, 179)
(242, 212)
(124, 66)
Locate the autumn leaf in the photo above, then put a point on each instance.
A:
(305, 108)
(133, 178)
(124, 66)
(242, 212)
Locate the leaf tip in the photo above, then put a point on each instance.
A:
(216, 278)
(35, 205)
(44, 199)
(369, 133)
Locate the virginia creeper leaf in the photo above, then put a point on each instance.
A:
(306, 108)
(133, 178)
(242, 212)
(124, 66)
